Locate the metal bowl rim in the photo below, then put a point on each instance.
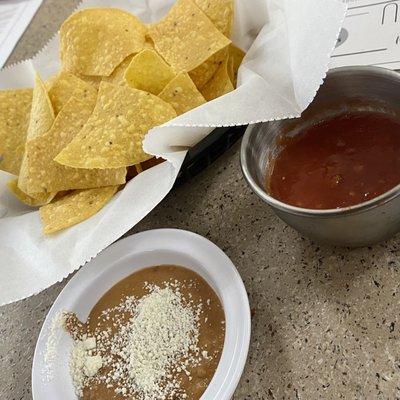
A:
(335, 212)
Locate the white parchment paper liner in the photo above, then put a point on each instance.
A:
(289, 43)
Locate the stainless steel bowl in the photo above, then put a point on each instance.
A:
(344, 89)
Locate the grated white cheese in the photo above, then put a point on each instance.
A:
(92, 365)
(90, 343)
(76, 362)
(83, 365)
(53, 338)
(163, 331)
(154, 339)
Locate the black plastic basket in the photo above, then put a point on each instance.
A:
(208, 150)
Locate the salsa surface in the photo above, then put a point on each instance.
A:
(340, 162)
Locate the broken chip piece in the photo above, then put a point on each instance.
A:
(74, 207)
(41, 119)
(46, 175)
(186, 37)
(95, 40)
(118, 75)
(15, 106)
(220, 12)
(149, 72)
(236, 56)
(64, 85)
(205, 71)
(182, 94)
(39, 199)
(113, 135)
(219, 84)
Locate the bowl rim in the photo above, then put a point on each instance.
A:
(207, 259)
(336, 212)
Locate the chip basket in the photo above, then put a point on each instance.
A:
(208, 150)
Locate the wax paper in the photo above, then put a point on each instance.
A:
(288, 45)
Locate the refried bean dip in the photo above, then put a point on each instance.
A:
(157, 334)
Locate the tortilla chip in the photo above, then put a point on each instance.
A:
(95, 41)
(15, 106)
(46, 175)
(42, 112)
(186, 38)
(74, 208)
(41, 120)
(39, 200)
(65, 85)
(219, 85)
(113, 135)
(182, 94)
(50, 81)
(92, 80)
(205, 71)
(235, 59)
(118, 75)
(148, 72)
(220, 12)
(149, 44)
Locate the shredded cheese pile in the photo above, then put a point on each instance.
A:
(162, 336)
(50, 353)
(84, 362)
(149, 349)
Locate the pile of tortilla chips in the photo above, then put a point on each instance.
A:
(73, 141)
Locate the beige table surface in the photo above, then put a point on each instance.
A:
(326, 320)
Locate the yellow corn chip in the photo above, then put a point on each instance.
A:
(205, 71)
(92, 80)
(46, 175)
(149, 72)
(219, 84)
(149, 44)
(186, 37)
(95, 41)
(118, 75)
(39, 200)
(42, 112)
(113, 135)
(182, 94)
(235, 59)
(65, 85)
(50, 81)
(74, 207)
(220, 12)
(41, 120)
(15, 108)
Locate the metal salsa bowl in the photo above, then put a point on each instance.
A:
(344, 89)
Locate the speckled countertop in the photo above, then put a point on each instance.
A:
(325, 320)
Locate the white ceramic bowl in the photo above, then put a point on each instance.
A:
(156, 247)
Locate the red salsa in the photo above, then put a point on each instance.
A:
(339, 162)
